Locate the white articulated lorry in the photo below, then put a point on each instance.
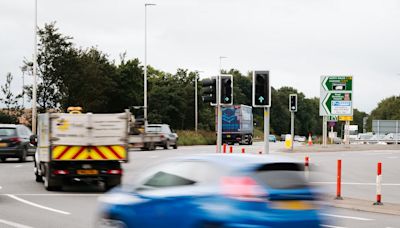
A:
(81, 147)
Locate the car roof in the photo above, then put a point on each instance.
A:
(8, 125)
(238, 161)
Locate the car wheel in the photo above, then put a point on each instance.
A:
(175, 146)
(166, 145)
(22, 158)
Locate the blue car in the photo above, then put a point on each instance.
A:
(215, 191)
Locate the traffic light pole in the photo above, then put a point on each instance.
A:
(219, 111)
(266, 130)
(292, 128)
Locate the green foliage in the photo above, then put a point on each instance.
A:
(187, 138)
(8, 118)
(8, 98)
(388, 109)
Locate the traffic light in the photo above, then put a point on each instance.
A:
(261, 89)
(209, 90)
(226, 89)
(293, 102)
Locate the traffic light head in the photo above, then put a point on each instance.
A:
(293, 102)
(209, 90)
(261, 89)
(226, 89)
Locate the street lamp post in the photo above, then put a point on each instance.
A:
(145, 62)
(34, 74)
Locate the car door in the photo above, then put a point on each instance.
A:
(170, 193)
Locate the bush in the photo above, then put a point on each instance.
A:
(188, 138)
(8, 119)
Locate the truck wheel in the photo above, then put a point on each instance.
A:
(49, 183)
(38, 178)
(250, 140)
(152, 146)
(112, 182)
(22, 158)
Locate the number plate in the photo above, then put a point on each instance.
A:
(87, 172)
(3, 144)
(292, 205)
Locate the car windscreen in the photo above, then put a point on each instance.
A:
(8, 132)
(282, 175)
(153, 129)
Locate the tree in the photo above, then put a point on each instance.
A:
(9, 99)
(388, 109)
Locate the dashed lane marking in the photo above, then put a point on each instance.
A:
(14, 224)
(37, 205)
(347, 217)
(330, 226)
(17, 166)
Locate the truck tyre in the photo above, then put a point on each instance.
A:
(112, 182)
(22, 158)
(250, 142)
(49, 182)
(151, 146)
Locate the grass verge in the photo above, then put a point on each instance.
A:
(188, 138)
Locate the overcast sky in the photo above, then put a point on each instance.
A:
(296, 40)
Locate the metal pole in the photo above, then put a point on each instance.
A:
(195, 103)
(34, 92)
(219, 111)
(266, 130)
(324, 131)
(331, 135)
(23, 92)
(292, 128)
(347, 132)
(145, 64)
(397, 132)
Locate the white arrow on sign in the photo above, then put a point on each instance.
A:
(261, 99)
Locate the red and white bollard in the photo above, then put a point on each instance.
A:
(306, 167)
(339, 180)
(243, 151)
(379, 185)
(230, 149)
(224, 148)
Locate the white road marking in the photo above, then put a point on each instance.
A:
(37, 205)
(17, 166)
(50, 194)
(153, 156)
(330, 226)
(355, 183)
(13, 224)
(392, 157)
(347, 217)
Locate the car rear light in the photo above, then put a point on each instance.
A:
(243, 188)
(115, 171)
(15, 140)
(162, 136)
(60, 172)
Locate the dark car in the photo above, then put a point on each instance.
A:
(15, 142)
(215, 191)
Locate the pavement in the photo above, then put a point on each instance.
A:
(25, 203)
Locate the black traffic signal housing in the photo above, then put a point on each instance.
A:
(209, 90)
(293, 102)
(261, 89)
(226, 89)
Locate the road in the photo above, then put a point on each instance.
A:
(25, 203)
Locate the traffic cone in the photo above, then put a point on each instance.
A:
(309, 140)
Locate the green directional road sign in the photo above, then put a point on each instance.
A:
(338, 83)
(336, 96)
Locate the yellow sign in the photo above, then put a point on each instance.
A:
(63, 125)
(345, 118)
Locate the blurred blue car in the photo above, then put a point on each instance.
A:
(271, 138)
(214, 191)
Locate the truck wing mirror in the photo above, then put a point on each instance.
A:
(33, 140)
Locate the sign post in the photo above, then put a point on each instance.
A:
(336, 99)
(292, 109)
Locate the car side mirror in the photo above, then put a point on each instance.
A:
(33, 140)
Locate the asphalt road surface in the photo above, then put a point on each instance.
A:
(25, 203)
